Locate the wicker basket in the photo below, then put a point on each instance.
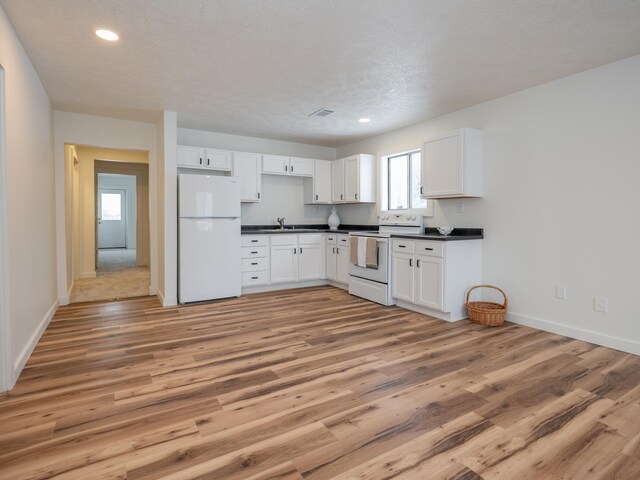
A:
(487, 313)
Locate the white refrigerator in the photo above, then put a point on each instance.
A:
(209, 237)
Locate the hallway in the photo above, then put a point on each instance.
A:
(117, 276)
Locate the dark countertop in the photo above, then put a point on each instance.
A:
(318, 228)
(430, 233)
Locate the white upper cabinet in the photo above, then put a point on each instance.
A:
(275, 164)
(247, 167)
(337, 181)
(281, 165)
(318, 188)
(354, 179)
(452, 165)
(218, 159)
(206, 158)
(301, 167)
(190, 156)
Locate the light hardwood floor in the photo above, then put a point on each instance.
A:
(314, 384)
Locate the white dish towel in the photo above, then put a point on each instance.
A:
(362, 251)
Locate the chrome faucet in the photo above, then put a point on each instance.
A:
(281, 222)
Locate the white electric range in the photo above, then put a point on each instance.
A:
(375, 283)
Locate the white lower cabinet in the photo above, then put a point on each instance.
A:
(284, 263)
(255, 260)
(429, 282)
(403, 277)
(297, 258)
(435, 275)
(338, 258)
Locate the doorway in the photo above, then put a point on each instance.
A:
(112, 257)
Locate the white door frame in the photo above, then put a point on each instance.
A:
(6, 367)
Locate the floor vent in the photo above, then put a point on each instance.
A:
(323, 112)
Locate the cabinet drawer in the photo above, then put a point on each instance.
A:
(255, 264)
(332, 239)
(255, 240)
(284, 239)
(343, 240)
(255, 278)
(310, 239)
(255, 252)
(404, 246)
(431, 249)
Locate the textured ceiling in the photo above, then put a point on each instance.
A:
(259, 68)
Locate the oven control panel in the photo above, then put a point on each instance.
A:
(401, 219)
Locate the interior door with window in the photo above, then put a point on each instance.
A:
(112, 226)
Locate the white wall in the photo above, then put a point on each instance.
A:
(561, 179)
(281, 196)
(29, 194)
(111, 133)
(168, 212)
(128, 184)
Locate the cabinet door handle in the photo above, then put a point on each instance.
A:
(418, 263)
(200, 160)
(295, 250)
(254, 278)
(254, 263)
(341, 196)
(208, 161)
(411, 262)
(254, 241)
(300, 250)
(285, 168)
(316, 197)
(356, 196)
(338, 250)
(291, 168)
(253, 253)
(334, 249)
(402, 246)
(428, 248)
(258, 195)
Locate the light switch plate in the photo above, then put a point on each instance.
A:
(460, 206)
(561, 292)
(600, 304)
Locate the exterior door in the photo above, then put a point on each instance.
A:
(112, 221)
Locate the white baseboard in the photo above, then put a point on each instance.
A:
(283, 286)
(169, 302)
(166, 301)
(87, 275)
(31, 344)
(66, 299)
(447, 317)
(590, 336)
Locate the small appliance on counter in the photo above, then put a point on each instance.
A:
(209, 262)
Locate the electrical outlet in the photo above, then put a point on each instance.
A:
(600, 304)
(561, 292)
(460, 206)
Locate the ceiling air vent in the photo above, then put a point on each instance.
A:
(323, 112)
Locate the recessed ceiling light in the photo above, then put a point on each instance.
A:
(364, 120)
(107, 35)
